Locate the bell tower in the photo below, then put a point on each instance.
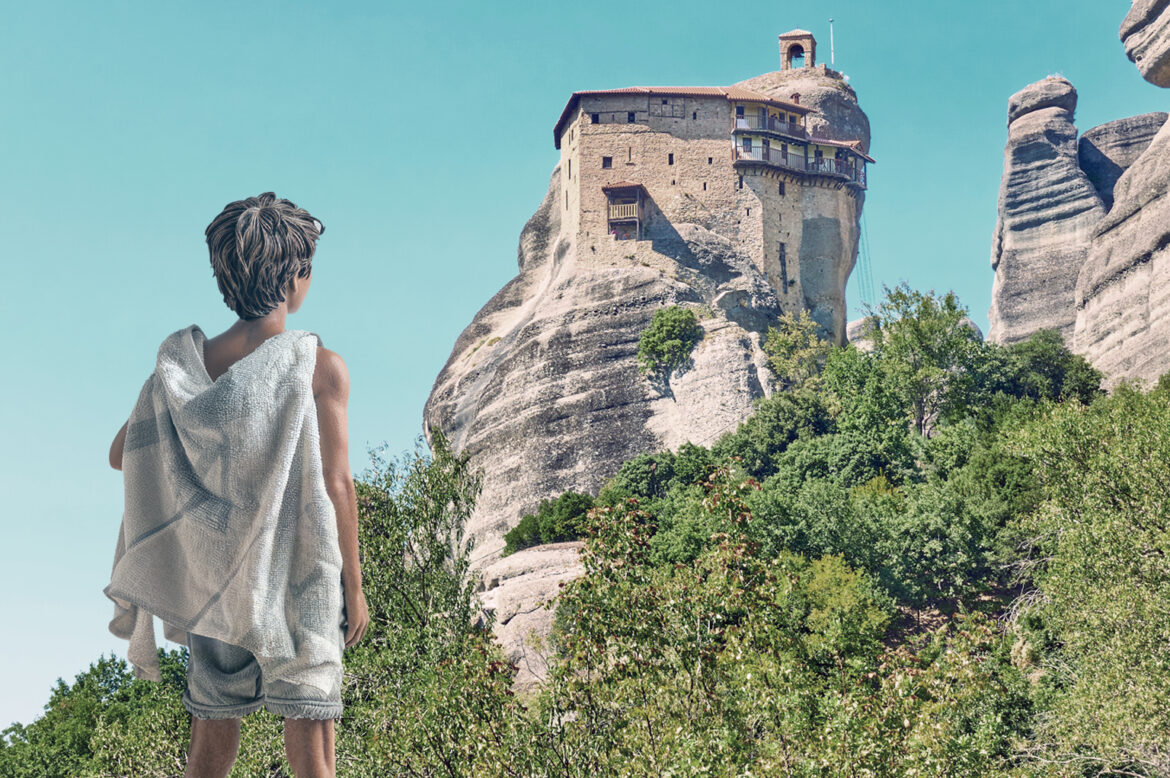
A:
(798, 49)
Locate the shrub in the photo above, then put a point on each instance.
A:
(555, 520)
(667, 343)
(1042, 368)
(796, 351)
(1098, 563)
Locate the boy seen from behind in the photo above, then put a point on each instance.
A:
(240, 526)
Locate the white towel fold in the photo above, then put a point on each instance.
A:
(228, 530)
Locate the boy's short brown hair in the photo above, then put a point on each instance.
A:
(257, 245)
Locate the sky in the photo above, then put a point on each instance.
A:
(420, 134)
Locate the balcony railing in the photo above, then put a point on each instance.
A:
(770, 124)
(771, 156)
(623, 211)
(852, 170)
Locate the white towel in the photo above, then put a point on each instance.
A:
(228, 530)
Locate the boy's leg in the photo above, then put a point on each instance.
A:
(309, 746)
(214, 746)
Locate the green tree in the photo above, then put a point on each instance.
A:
(932, 354)
(777, 422)
(555, 520)
(1098, 571)
(796, 351)
(669, 339)
(1042, 368)
(69, 739)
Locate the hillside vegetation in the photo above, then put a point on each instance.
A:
(929, 556)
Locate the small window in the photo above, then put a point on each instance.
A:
(694, 115)
(630, 117)
(596, 118)
(570, 168)
(629, 153)
(749, 211)
(673, 182)
(566, 199)
(670, 159)
(782, 189)
(783, 268)
(741, 182)
(664, 101)
(607, 162)
(704, 186)
(739, 111)
(710, 160)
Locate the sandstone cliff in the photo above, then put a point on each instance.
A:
(1047, 210)
(1123, 293)
(542, 388)
(1120, 305)
(1107, 151)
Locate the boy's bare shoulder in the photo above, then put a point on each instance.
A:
(330, 376)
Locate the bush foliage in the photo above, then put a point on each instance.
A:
(933, 557)
(669, 339)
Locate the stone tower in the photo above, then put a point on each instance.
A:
(798, 48)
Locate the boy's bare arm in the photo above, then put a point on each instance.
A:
(117, 447)
(331, 391)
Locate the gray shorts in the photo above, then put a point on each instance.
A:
(225, 681)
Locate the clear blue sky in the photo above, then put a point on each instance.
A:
(421, 135)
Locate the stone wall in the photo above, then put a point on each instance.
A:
(704, 187)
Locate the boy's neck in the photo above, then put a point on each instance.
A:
(257, 330)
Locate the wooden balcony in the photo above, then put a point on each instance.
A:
(623, 211)
(853, 170)
(770, 124)
(771, 156)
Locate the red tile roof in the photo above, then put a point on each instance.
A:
(852, 145)
(728, 92)
(621, 185)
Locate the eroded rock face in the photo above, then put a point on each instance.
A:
(1121, 298)
(1048, 208)
(543, 391)
(1123, 293)
(1107, 151)
(516, 589)
(1146, 35)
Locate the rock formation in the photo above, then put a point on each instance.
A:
(542, 389)
(516, 589)
(662, 197)
(1107, 151)
(1047, 210)
(1081, 243)
(1123, 293)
